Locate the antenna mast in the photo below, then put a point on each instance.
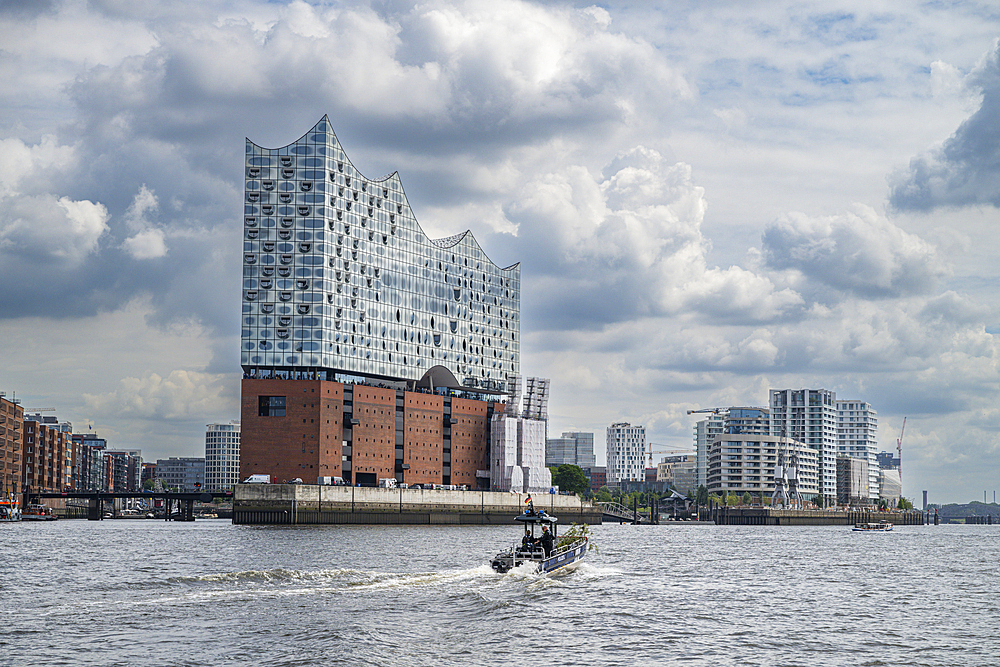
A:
(899, 449)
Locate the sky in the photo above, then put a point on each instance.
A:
(708, 200)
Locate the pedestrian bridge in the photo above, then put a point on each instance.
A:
(612, 511)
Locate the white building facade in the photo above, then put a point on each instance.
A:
(626, 453)
(857, 437)
(517, 440)
(222, 456)
(809, 416)
(739, 464)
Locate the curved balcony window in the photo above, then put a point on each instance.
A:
(347, 230)
(287, 222)
(267, 308)
(253, 172)
(340, 167)
(250, 221)
(361, 317)
(302, 308)
(371, 212)
(304, 247)
(392, 230)
(250, 259)
(285, 197)
(286, 160)
(303, 210)
(385, 192)
(268, 246)
(302, 284)
(287, 173)
(267, 185)
(369, 281)
(347, 181)
(347, 265)
(253, 233)
(453, 326)
(267, 209)
(253, 197)
(329, 298)
(333, 176)
(306, 186)
(251, 295)
(284, 320)
(399, 208)
(355, 196)
(267, 271)
(364, 186)
(354, 254)
(354, 303)
(284, 234)
(282, 333)
(266, 283)
(348, 206)
(285, 259)
(284, 271)
(340, 215)
(285, 296)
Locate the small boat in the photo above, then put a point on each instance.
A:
(36, 512)
(879, 527)
(9, 511)
(532, 548)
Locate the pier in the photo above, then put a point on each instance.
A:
(303, 504)
(766, 516)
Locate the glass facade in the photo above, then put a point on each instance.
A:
(338, 277)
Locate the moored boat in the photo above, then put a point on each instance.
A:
(9, 511)
(544, 550)
(878, 527)
(36, 512)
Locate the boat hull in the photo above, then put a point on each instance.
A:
(569, 554)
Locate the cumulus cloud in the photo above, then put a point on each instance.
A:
(180, 395)
(148, 241)
(859, 252)
(630, 239)
(52, 230)
(965, 170)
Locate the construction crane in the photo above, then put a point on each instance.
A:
(899, 449)
(664, 451)
(39, 409)
(716, 411)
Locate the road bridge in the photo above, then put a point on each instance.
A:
(96, 499)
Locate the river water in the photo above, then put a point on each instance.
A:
(210, 593)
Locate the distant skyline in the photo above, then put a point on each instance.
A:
(708, 200)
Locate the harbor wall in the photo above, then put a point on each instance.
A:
(303, 504)
(765, 516)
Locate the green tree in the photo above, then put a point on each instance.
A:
(746, 498)
(603, 495)
(701, 497)
(569, 477)
(904, 504)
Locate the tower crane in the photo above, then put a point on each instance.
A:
(899, 449)
(715, 411)
(39, 409)
(664, 451)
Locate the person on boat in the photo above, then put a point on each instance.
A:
(528, 543)
(546, 541)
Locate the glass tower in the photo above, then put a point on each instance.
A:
(340, 280)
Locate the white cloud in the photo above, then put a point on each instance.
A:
(50, 229)
(180, 395)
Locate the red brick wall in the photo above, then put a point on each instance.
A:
(374, 439)
(302, 442)
(423, 438)
(469, 435)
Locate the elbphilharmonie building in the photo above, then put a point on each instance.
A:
(340, 281)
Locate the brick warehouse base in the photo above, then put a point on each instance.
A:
(301, 504)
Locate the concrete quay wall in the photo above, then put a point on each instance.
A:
(765, 516)
(298, 504)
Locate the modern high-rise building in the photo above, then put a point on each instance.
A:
(369, 350)
(222, 456)
(722, 421)
(739, 464)
(340, 281)
(809, 416)
(574, 448)
(626, 453)
(857, 431)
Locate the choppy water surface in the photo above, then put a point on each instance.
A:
(210, 593)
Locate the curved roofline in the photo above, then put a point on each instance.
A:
(435, 242)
